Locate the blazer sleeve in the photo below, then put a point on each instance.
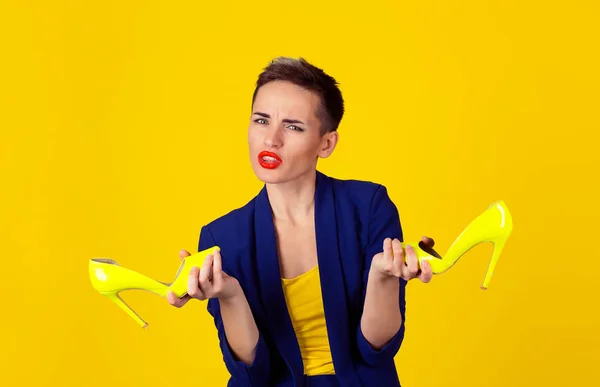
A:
(256, 374)
(384, 222)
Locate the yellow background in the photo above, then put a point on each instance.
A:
(123, 131)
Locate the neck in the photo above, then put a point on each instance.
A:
(293, 201)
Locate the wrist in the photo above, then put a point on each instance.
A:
(234, 298)
(377, 276)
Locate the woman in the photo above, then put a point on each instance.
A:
(309, 285)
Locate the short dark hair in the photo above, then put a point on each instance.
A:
(304, 74)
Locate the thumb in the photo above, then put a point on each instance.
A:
(176, 301)
(183, 254)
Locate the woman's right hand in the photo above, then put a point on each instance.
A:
(206, 282)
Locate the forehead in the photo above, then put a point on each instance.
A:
(286, 98)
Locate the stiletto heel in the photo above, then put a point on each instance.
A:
(109, 279)
(123, 305)
(498, 246)
(494, 225)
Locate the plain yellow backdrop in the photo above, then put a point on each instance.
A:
(123, 131)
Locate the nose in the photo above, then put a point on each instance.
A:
(273, 138)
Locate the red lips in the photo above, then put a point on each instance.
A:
(269, 160)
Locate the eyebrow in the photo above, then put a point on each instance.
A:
(287, 120)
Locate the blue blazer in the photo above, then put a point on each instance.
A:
(352, 218)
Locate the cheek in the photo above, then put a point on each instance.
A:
(252, 137)
(306, 151)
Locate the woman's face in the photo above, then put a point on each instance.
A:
(284, 133)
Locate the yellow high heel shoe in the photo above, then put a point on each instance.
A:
(494, 225)
(109, 279)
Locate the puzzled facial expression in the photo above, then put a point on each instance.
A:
(284, 135)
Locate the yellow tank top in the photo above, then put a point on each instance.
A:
(305, 306)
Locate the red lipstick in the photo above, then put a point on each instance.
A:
(269, 160)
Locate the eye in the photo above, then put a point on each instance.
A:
(296, 128)
(260, 121)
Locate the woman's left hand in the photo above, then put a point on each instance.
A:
(391, 261)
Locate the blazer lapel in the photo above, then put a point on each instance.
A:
(332, 281)
(271, 289)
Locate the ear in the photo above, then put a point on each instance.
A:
(328, 143)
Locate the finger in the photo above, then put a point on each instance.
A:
(398, 257)
(388, 254)
(412, 265)
(206, 269)
(193, 289)
(217, 271)
(176, 301)
(426, 272)
(183, 254)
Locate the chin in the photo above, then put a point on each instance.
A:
(275, 176)
(269, 176)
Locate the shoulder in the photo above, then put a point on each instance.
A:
(233, 233)
(366, 206)
(361, 194)
(231, 226)
(233, 220)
